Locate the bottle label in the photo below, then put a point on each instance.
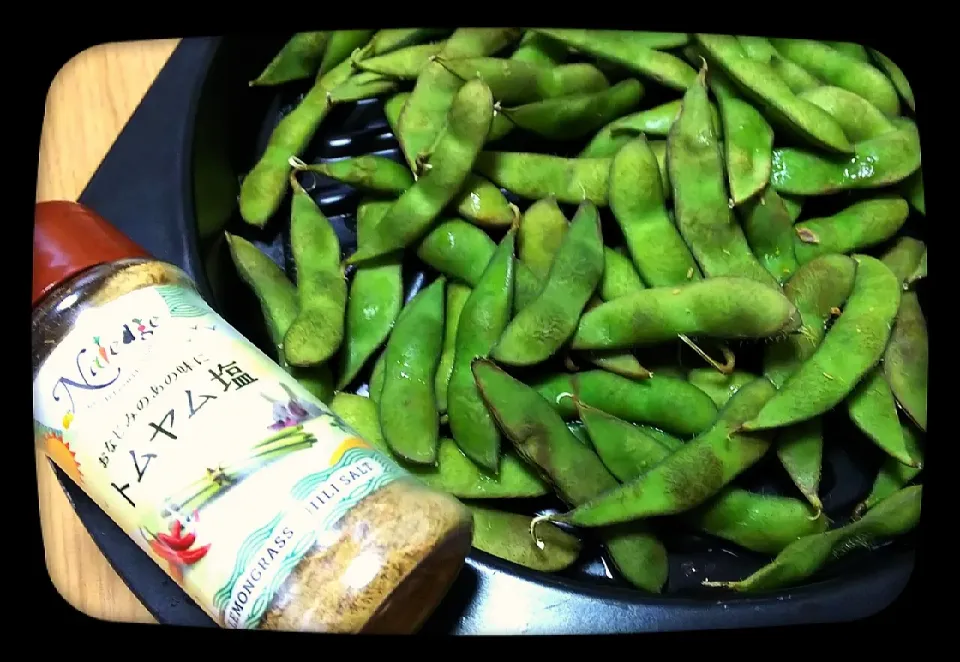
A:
(209, 455)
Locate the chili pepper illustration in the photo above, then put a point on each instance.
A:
(176, 547)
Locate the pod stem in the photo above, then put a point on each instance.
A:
(730, 360)
(533, 528)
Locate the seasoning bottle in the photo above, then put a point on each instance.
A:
(264, 506)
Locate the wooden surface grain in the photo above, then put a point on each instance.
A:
(88, 104)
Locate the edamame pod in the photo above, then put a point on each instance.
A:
(635, 196)
(620, 278)
(407, 400)
(279, 305)
(757, 48)
(896, 77)
(409, 219)
(701, 206)
(536, 176)
(457, 249)
(317, 332)
(541, 231)
(887, 159)
(748, 147)
(904, 257)
(457, 295)
(860, 119)
(860, 226)
(479, 201)
(361, 85)
(573, 469)
(837, 68)
(263, 188)
(392, 39)
(873, 410)
(669, 403)
(507, 536)
(894, 516)
(375, 387)
(426, 110)
(800, 451)
(574, 116)
(718, 386)
(370, 172)
(342, 43)
(893, 475)
(536, 49)
(770, 232)
(624, 48)
(689, 476)
(540, 328)
(906, 359)
(721, 307)
(375, 300)
(403, 64)
(856, 51)
(485, 315)
(913, 189)
(515, 82)
(299, 58)
(453, 473)
(760, 523)
(780, 104)
(853, 345)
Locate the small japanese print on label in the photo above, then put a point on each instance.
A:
(178, 427)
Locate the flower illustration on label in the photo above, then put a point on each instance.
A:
(178, 546)
(59, 451)
(291, 411)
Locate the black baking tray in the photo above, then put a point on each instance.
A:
(175, 168)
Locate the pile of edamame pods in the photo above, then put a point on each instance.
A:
(708, 261)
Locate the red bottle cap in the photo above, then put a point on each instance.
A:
(69, 238)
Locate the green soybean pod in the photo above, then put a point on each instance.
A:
(760, 523)
(402, 64)
(279, 305)
(850, 49)
(635, 196)
(913, 189)
(904, 256)
(770, 232)
(747, 140)
(370, 172)
(299, 58)
(689, 476)
(392, 39)
(453, 473)
(701, 205)
(457, 295)
(860, 226)
(718, 386)
(800, 451)
(526, 286)
(317, 332)
(628, 50)
(798, 79)
(721, 307)
(362, 85)
(342, 43)
(669, 403)
(620, 278)
(425, 111)
(457, 249)
(454, 153)
(650, 122)
(878, 162)
(485, 315)
(541, 327)
(572, 467)
(535, 176)
(374, 301)
(539, 235)
(576, 115)
(762, 85)
(859, 118)
(757, 48)
(837, 68)
(873, 409)
(264, 187)
(407, 400)
(794, 207)
(892, 476)
(515, 82)
(539, 50)
(906, 359)
(896, 77)
(894, 516)
(853, 345)
(506, 535)
(376, 378)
